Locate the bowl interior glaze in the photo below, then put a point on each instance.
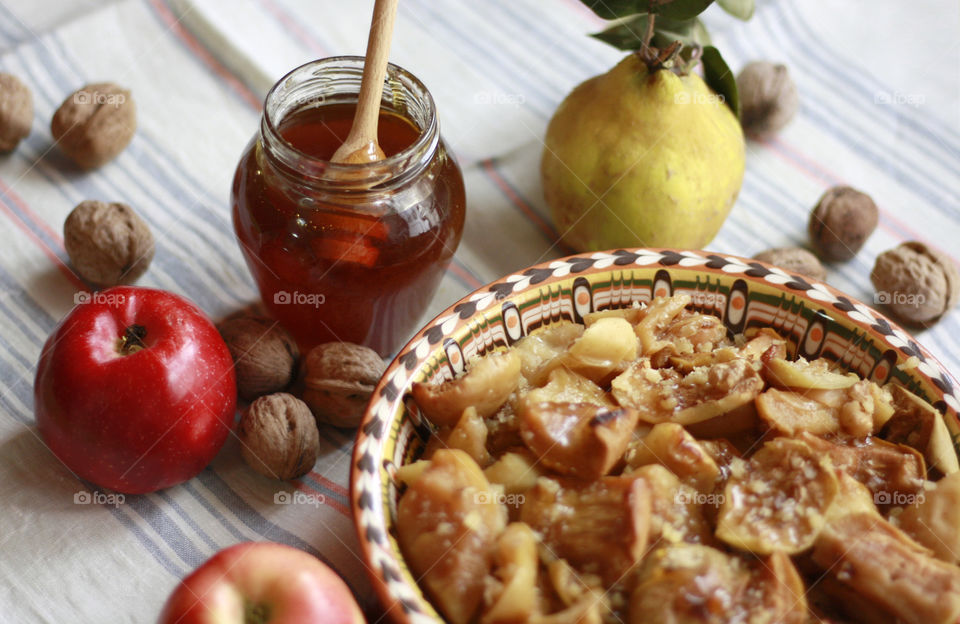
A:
(816, 320)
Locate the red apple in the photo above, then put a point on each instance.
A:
(262, 583)
(135, 389)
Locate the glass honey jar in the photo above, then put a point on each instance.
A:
(344, 251)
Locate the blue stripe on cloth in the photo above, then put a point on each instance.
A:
(20, 295)
(326, 490)
(193, 187)
(759, 200)
(185, 198)
(221, 517)
(142, 505)
(13, 29)
(162, 524)
(185, 188)
(547, 32)
(17, 395)
(490, 52)
(208, 505)
(99, 186)
(908, 174)
(815, 47)
(131, 525)
(253, 519)
(21, 358)
(166, 529)
(179, 510)
(17, 385)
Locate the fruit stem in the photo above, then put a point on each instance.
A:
(255, 612)
(132, 340)
(652, 57)
(648, 37)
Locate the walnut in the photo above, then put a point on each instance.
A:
(794, 260)
(108, 244)
(841, 222)
(16, 112)
(917, 284)
(264, 355)
(768, 98)
(339, 379)
(95, 123)
(279, 436)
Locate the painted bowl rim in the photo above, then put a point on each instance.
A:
(667, 257)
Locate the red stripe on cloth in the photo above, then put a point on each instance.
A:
(460, 270)
(7, 192)
(800, 162)
(328, 501)
(518, 201)
(200, 51)
(294, 27)
(9, 195)
(334, 487)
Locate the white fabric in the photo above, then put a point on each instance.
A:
(880, 93)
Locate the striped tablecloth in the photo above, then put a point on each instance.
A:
(880, 110)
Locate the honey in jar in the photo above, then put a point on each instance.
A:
(347, 252)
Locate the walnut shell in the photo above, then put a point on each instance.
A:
(16, 112)
(841, 222)
(768, 98)
(95, 123)
(264, 355)
(339, 379)
(917, 284)
(279, 436)
(108, 243)
(794, 260)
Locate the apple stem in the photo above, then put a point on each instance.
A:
(132, 340)
(255, 613)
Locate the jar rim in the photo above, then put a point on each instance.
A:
(347, 175)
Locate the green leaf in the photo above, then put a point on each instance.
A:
(674, 9)
(741, 9)
(624, 34)
(691, 33)
(719, 78)
(628, 33)
(614, 9)
(679, 9)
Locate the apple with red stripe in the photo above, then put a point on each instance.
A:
(262, 583)
(135, 389)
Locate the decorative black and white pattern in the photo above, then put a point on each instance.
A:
(465, 328)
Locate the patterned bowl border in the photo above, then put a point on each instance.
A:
(815, 318)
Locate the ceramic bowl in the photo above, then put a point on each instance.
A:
(816, 320)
